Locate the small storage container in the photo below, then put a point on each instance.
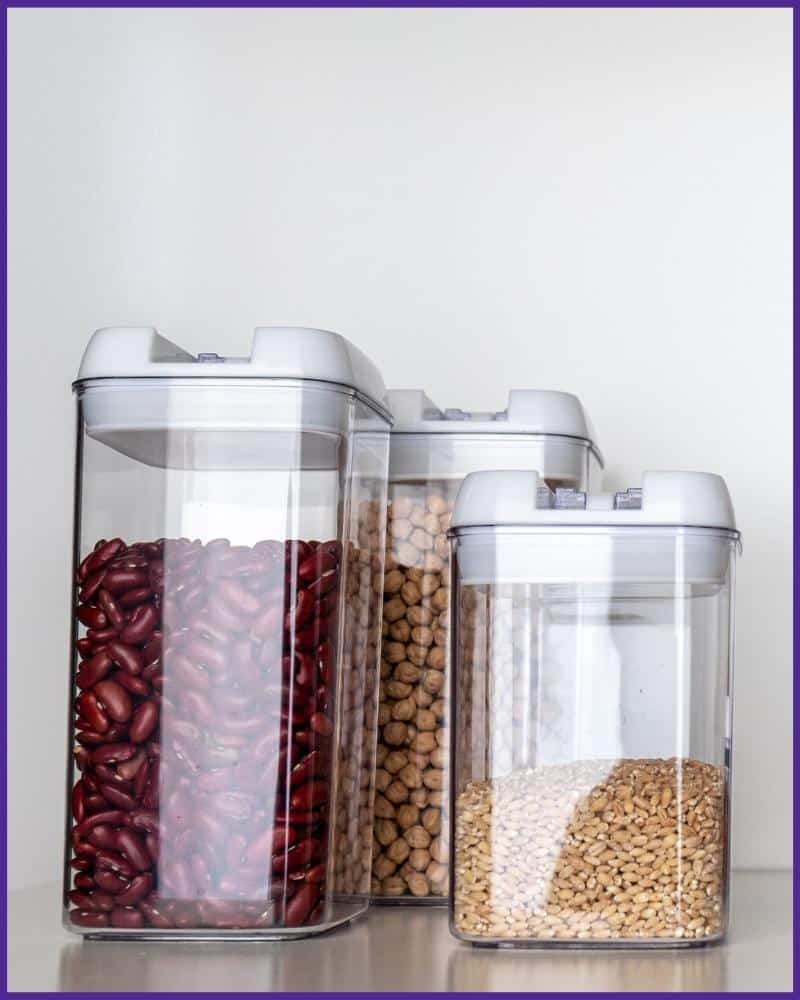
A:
(431, 452)
(229, 555)
(592, 711)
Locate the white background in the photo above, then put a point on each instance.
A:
(596, 201)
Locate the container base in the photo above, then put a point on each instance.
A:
(652, 944)
(343, 915)
(422, 901)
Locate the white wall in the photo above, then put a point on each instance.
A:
(589, 200)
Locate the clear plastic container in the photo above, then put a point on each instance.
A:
(229, 554)
(431, 452)
(592, 711)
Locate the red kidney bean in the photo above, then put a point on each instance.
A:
(184, 673)
(115, 700)
(144, 819)
(130, 598)
(114, 817)
(91, 617)
(316, 874)
(115, 863)
(141, 625)
(119, 579)
(111, 753)
(112, 610)
(89, 708)
(117, 797)
(91, 585)
(139, 887)
(84, 647)
(81, 864)
(126, 917)
(237, 598)
(108, 776)
(103, 836)
(141, 779)
(87, 918)
(134, 849)
(125, 656)
(296, 857)
(202, 652)
(144, 721)
(299, 907)
(93, 670)
(84, 849)
(269, 621)
(102, 901)
(321, 724)
(324, 585)
(128, 769)
(135, 685)
(99, 637)
(81, 899)
(313, 793)
(104, 554)
(109, 882)
(77, 803)
(152, 842)
(152, 648)
(84, 882)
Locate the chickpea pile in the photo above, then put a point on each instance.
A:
(410, 845)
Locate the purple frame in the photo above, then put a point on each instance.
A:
(354, 4)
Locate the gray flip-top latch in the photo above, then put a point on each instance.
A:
(568, 498)
(630, 499)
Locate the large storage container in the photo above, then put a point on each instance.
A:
(431, 452)
(228, 562)
(592, 711)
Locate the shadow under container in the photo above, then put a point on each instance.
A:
(228, 542)
(431, 452)
(592, 723)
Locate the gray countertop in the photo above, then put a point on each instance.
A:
(404, 950)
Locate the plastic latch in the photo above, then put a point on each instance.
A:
(209, 356)
(568, 498)
(630, 499)
(455, 414)
(544, 498)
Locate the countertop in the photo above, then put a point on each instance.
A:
(406, 949)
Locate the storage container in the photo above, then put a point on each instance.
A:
(592, 711)
(229, 554)
(431, 452)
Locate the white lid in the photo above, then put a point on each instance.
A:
(679, 499)
(278, 352)
(529, 411)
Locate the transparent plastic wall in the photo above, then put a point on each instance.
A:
(410, 853)
(225, 652)
(592, 739)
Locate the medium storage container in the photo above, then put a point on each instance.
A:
(592, 711)
(229, 552)
(431, 452)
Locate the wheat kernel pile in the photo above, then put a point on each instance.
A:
(594, 850)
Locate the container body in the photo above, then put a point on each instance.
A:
(592, 735)
(228, 550)
(411, 846)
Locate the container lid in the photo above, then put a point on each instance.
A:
(538, 429)
(280, 352)
(674, 499)
(286, 406)
(529, 411)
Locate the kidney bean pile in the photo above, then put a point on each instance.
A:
(203, 729)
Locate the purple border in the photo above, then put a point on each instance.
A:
(508, 4)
